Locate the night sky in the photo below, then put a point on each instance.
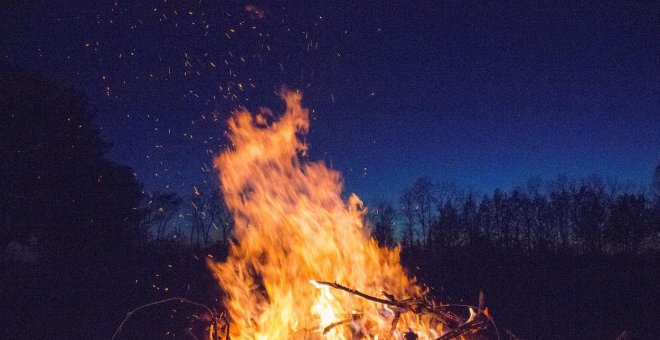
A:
(482, 95)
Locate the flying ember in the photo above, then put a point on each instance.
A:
(292, 229)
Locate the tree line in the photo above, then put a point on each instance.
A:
(564, 215)
(587, 216)
(201, 219)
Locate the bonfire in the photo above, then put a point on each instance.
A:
(303, 264)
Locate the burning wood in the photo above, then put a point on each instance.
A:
(419, 306)
(292, 228)
(456, 327)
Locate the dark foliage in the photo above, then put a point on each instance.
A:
(69, 222)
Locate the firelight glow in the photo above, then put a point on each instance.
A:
(292, 227)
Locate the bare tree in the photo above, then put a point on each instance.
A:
(561, 195)
(448, 228)
(223, 219)
(162, 207)
(469, 220)
(590, 214)
(655, 193)
(485, 216)
(217, 217)
(407, 202)
(208, 213)
(424, 199)
(500, 218)
(628, 225)
(383, 216)
(655, 184)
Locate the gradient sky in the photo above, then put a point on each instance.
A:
(485, 95)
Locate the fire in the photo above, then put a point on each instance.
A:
(292, 227)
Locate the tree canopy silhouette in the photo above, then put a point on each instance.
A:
(61, 197)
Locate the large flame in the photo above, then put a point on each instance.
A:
(292, 227)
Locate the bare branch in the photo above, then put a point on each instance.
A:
(179, 299)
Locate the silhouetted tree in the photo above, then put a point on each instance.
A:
(561, 212)
(55, 177)
(383, 216)
(628, 225)
(469, 221)
(223, 220)
(655, 192)
(542, 222)
(199, 220)
(161, 208)
(58, 187)
(447, 230)
(503, 217)
(216, 218)
(590, 215)
(485, 217)
(423, 200)
(208, 213)
(407, 202)
(655, 184)
(517, 208)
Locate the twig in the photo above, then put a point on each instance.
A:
(423, 305)
(481, 312)
(180, 299)
(353, 317)
(395, 321)
(215, 328)
(224, 317)
(415, 305)
(329, 327)
(464, 329)
(362, 295)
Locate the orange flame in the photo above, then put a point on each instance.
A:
(291, 228)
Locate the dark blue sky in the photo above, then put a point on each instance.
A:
(485, 95)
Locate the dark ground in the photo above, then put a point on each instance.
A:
(544, 297)
(554, 296)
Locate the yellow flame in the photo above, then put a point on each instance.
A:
(292, 227)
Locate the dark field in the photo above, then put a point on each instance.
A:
(553, 296)
(541, 297)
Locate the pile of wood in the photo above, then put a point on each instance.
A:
(455, 326)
